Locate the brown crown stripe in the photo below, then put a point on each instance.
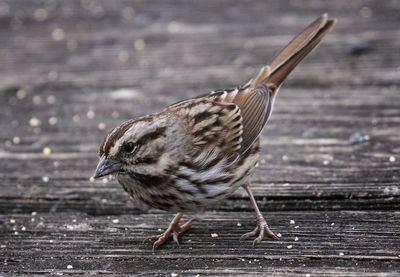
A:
(117, 133)
(114, 136)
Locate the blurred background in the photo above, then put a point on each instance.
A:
(73, 70)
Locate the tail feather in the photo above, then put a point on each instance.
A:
(297, 49)
(288, 58)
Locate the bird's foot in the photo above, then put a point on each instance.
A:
(261, 230)
(174, 229)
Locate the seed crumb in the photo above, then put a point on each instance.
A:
(16, 140)
(296, 239)
(139, 44)
(70, 266)
(214, 235)
(58, 34)
(91, 179)
(34, 122)
(52, 120)
(392, 159)
(21, 94)
(90, 114)
(34, 213)
(291, 222)
(308, 275)
(102, 126)
(239, 224)
(289, 246)
(47, 151)
(115, 220)
(12, 221)
(23, 228)
(279, 235)
(45, 179)
(341, 254)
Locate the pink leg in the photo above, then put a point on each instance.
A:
(262, 226)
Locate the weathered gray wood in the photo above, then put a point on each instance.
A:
(327, 242)
(84, 55)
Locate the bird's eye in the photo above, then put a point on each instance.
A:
(129, 147)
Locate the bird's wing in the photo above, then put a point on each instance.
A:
(255, 107)
(214, 129)
(255, 98)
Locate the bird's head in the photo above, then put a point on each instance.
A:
(132, 146)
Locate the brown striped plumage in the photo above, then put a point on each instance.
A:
(199, 151)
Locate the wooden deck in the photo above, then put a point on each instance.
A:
(330, 154)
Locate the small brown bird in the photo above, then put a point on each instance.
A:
(199, 151)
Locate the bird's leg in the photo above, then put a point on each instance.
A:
(262, 226)
(174, 229)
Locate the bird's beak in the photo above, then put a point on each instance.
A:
(106, 166)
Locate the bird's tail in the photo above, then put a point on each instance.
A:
(275, 73)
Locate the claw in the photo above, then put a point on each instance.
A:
(174, 229)
(260, 231)
(250, 234)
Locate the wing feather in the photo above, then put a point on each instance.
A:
(215, 129)
(254, 105)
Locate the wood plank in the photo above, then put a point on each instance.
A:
(368, 242)
(308, 156)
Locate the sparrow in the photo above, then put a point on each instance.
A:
(197, 152)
